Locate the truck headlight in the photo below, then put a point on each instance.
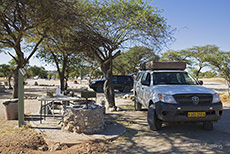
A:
(215, 98)
(167, 98)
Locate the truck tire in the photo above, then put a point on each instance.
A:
(137, 105)
(208, 125)
(153, 121)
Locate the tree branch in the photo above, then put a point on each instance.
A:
(13, 57)
(34, 50)
(113, 57)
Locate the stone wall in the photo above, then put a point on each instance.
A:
(79, 119)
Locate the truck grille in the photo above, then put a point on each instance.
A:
(192, 98)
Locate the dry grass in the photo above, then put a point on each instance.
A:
(225, 98)
(214, 80)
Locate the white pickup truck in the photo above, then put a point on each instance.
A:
(172, 95)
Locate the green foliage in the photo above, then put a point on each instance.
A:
(122, 20)
(210, 74)
(32, 71)
(5, 70)
(221, 60)
(196, 57)
(129, 61)
(50, 75)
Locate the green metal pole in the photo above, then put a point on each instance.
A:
(20, 99)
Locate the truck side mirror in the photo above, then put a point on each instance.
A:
(200, 82)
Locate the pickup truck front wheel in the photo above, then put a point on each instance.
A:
(153, 121)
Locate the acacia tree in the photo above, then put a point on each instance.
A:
(116, 22)
(61, 55)
(19, 22)
(221, 60)
(129, 61)
(32, 71)
(6, 71)
(172, 55)
(198, 54)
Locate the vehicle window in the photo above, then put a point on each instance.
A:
(148, 77)
(138, 76)
(189, 79)
(114, 78)
(173, 78)
(120, 78)
(129, 78)
(144, 77)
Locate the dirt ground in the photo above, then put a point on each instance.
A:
(172, 138)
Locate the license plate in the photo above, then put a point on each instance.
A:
(196, 114)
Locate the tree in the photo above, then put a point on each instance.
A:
(172, 55)
(113, 24)
(180, 56)
(32, 71)
(60, 49)
(129, 61)
(221, 60)
(21, 21)
(6, 71)
(198, 54)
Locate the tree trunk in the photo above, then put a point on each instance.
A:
(61, 76)
(9, 79)
(108, 85)
(198, 72)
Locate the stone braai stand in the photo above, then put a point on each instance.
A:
(80, 119)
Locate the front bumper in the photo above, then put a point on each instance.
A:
(179, 113)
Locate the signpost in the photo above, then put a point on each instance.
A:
(21, 74)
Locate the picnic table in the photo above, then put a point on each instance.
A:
(48, 102)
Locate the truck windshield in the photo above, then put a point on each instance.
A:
(173, 78)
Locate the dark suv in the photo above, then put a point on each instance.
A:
(122, 83)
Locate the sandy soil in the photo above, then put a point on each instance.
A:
(173, 138)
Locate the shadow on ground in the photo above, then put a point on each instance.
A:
(178, 138)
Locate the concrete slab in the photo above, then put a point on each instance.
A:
(52, 133)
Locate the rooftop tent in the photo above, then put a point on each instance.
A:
(151, 65)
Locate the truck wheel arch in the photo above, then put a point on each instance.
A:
(150, 103)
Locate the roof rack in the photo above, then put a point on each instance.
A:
(151, 65)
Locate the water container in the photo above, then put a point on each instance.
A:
(58, 91)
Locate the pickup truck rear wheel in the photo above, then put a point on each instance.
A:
(137, 105)
(153, 121)
(208, 125)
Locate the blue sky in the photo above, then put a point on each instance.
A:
(198, 23)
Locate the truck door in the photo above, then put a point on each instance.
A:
(137, 84)
(146, 88)
(141, 88)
